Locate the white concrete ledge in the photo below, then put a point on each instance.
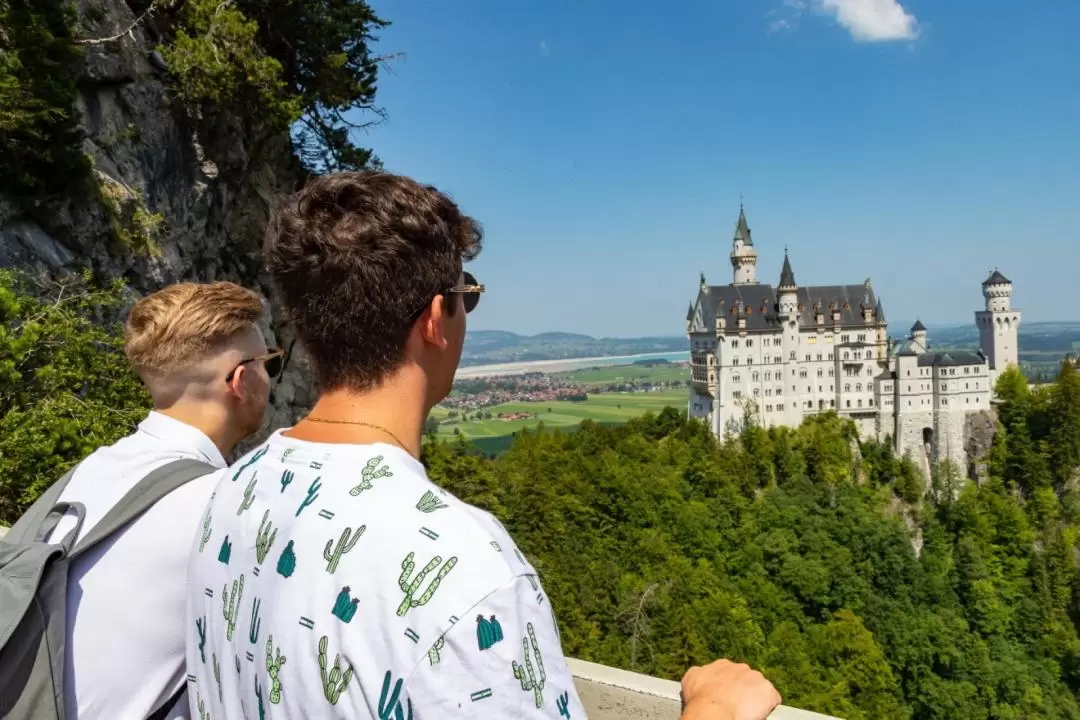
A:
(3, 531)
(611, 694)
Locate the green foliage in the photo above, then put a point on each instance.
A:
(857, 588)
(40, 138)
(303, 65)
(65, 386)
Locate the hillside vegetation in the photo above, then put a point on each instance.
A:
(826, 562)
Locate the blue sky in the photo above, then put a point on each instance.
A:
(604, 147)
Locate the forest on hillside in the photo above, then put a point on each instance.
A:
(859, 589)
(830, 564)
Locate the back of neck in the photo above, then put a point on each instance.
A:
(393, 412)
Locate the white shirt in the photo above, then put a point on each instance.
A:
(338, 581)
(125, 639)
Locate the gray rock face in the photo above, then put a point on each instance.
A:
(207, 184)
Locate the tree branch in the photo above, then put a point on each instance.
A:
(129, 30)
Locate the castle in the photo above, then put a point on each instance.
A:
(779, 354)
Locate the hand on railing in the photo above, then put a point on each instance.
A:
(723, 690)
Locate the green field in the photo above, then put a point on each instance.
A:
(661, 372)
(603, 407)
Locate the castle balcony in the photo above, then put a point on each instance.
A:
(612, 694)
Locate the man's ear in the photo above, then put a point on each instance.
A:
(236, 385)
(433, 323)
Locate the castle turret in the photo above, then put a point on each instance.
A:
(918, 337)
(743, 255)
(998, 324)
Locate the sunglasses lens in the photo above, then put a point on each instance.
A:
(471, 299)
(273, 366)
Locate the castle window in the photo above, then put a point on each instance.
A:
(832, 403)
(858, 387)
(802, 374)
(944, 387)
(820, 372)
(830, 356)
(780, 390)
(868, 355)
(768, 376)
(749, 361)
(734, 343)
(735, 378)
(871, 402)
(966, 385)
(845, 354)
(736, 394)
(831, 372)
(749, 343)
(807, 357)
(848, 403)
(792, 354)
(755, 392)
(860, 402)
(735, 361)
(845, 338)
(780, 406)
(768, 392)
(819, 357)
(847, 387)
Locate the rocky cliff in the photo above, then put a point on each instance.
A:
(173, 195)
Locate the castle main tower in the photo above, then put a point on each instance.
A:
(743, 254)
(998, 324)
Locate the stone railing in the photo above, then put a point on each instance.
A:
(612, 694)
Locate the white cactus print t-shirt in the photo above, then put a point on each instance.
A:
(337, 581)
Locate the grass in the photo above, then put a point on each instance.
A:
(604, 408)
(615, 374)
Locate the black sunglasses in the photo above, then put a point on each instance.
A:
(272, 361)
(469, 289)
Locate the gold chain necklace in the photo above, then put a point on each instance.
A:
(373, 426)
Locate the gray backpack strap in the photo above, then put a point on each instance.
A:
(28, 527)
(140, 498)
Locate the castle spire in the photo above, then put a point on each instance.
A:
(879, 312)
(742, 229)
(787, 277)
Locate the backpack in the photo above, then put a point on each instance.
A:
(33, 589)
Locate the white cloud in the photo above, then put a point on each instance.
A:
(872, 20)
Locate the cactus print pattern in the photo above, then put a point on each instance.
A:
(345, 584)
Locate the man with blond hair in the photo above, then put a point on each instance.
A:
(200, 353)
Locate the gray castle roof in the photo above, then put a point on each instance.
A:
(787, 278)
(918, 327)
(950, 359)
(758, 303)
(742, 230)
(996, 278)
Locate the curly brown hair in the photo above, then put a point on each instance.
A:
(353, 256)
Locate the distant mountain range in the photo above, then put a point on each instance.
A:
(483, 347)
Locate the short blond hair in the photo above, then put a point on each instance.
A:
(174, 328)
